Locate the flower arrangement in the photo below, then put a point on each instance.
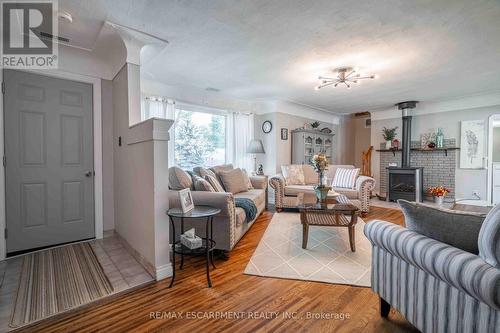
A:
(438, 191)
(319, 163)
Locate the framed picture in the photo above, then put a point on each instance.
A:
(186, 200)
(472, 143)
(284, 134)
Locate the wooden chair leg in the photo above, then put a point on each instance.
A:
(385, 308)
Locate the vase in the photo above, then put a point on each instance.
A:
(322, 179)
(439, 200)
(321, 192)
(388, 144)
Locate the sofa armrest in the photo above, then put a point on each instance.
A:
(460, 269)
(224, 224)
(222, 200)
(364, 185)
(259, 182)
(277, 182)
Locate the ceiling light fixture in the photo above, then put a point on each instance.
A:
(345, 75)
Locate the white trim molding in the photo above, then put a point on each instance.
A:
(164, 272)
(97, 134)
(492, 120)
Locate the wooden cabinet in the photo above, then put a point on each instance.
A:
(307, 143)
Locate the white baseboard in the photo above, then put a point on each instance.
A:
(164, 272)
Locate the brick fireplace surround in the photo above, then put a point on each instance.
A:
(439, 168)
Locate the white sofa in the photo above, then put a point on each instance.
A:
(285, 195)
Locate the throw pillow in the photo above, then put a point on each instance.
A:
(179, 179)
(458, 229)
(310, 176)
(489, 238)
(219, 168)
(345, 178)
(202, 172)
(215, 183)
(247, 179)
(201, 184)
(234, 181)
(293, 174)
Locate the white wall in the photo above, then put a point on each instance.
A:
(133, 177)
(279, 152)
(427, 119)
(107, 154)
(140, 175)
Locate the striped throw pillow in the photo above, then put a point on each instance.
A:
(345, 178)
(215, 183)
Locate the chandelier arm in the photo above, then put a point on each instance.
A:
(364, 77)
(352, 72)
(326, 84)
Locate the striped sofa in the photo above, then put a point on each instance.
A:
(438, 287)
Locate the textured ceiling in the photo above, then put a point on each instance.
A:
(275, 49)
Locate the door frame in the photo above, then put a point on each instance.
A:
(97, 140)
(491, 120)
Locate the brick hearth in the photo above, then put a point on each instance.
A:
(439, 169)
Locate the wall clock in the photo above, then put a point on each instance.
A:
(267, 126)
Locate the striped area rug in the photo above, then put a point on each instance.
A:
(57, 280)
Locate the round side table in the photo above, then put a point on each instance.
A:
(200, 213)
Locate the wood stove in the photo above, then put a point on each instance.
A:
(405, 182)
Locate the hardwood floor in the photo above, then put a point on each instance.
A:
(235, 292)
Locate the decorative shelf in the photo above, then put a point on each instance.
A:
(445, 149)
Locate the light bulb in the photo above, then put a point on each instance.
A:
(317, 88)
(375, 76)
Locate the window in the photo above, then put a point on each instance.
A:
(199, 136)
(199, 139)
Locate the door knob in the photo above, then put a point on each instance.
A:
(88, 174)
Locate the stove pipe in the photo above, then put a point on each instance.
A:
(406, 109)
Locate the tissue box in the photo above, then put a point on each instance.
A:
(191, 243)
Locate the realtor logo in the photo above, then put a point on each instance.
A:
(28, 28)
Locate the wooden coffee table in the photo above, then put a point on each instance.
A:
(336, 212)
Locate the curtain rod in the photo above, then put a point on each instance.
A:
(177, 101)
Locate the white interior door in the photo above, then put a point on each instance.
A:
(49, 161)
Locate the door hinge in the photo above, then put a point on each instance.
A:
(3, 87)
(5, 233)
(4, 161)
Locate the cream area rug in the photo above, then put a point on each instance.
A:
(57, 280)
(328, 257)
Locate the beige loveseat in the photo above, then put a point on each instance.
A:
(230, 225)
(285, 196)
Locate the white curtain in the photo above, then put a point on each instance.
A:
(157, 107)
(239, 135)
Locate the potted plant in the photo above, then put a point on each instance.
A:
(389, 134)
(438, 192)
(320, 164)
(315, 124)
